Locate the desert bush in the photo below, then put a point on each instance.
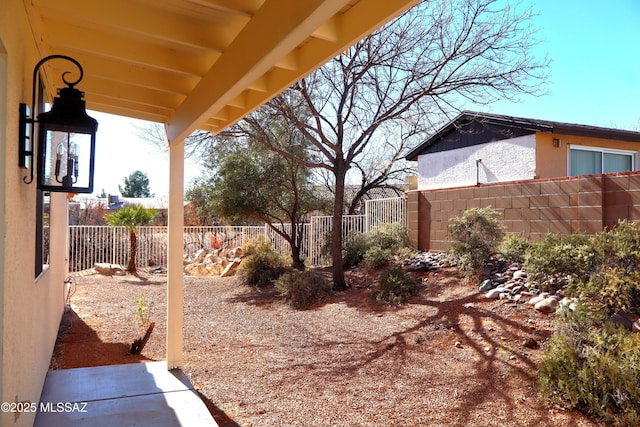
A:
(302, 288)
(593, 366)
(556, 261)
(376, 257)
(514, 248)
(376, 247)
(258, 244)
(354, 250)
(395, 286)
(475, 235)
(620, 247)
(261, 264)
(389, 236)
(611, 290)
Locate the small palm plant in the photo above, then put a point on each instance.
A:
(131, 217)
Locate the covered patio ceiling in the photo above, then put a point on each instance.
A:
(196, 64)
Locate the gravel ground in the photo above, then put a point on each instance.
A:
(449, 357)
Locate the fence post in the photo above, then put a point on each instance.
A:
(113, 245)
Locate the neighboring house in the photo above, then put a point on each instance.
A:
(80, 207)
(478, 148)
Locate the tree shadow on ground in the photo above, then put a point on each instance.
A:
(260, 297)
(144, 280)
(503, 343)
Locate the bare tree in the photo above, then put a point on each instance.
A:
(389, 89)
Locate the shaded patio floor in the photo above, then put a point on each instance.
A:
(137, 394)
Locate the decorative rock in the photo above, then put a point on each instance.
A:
(547, 305)
(107, 269)
(495, 293)
(519, 274)
(487, 285)
(458, 344)
(214, 262)
(231, 268)
(533, 301)
(199, 256)
(621, 320)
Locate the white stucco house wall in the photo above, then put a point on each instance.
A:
(498, 161)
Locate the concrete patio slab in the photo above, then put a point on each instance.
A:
(137, 394)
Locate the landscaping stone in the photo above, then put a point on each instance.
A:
(495, 293)
(107, 269)
(519, 274)
(487, 285)
(622, 320)
(547, 305)
(213, 262)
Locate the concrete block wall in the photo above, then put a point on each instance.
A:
(584, 204)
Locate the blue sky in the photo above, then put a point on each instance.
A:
(594, 80)
(595, 71)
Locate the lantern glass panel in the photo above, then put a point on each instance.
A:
(67, 161)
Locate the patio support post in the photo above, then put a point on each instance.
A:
(175, 279)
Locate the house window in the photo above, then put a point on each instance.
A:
(43, 209)
(593, 160)
(42, 231)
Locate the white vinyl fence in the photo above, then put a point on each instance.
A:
(105, 244)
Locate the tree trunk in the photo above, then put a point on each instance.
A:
(339, 284)
(133, 247)
(296, 262)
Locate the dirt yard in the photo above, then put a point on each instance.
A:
(450, 357)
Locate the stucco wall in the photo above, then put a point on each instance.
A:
(584, 204)
(552, 161)
(31, 308)
(506, 160)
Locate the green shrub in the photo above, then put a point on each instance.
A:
(261, 264)
(355, 248)
(620, 247)
(258, 244)
(593, 367)
(555, 261)
(475, 236)
(302, 288)
(389, 236)
(376, 257)
(376, 247)
(395, 286)
(514, 248)
(611, 290)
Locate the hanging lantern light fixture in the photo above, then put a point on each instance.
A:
(66, 138)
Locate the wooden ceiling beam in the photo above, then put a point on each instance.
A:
(128, 18)
(254, 52)
(120, 48)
